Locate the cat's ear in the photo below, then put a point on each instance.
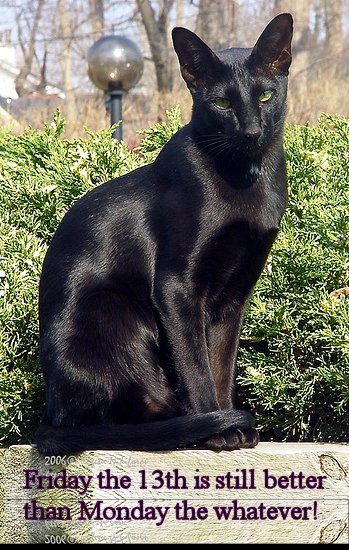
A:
(197, 61)
(273, 47)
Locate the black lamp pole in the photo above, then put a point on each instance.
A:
(115, 107)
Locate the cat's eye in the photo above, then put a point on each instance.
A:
(265, 96)
(221, 102)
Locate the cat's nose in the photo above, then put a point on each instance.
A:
(253, 133)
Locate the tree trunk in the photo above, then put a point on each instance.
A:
(158, 38)
(215, 23)
(333, 26)
(179, 13)
(28, 51)
(97, 18)
(70, 108)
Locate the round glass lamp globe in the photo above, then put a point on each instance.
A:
(114, 63)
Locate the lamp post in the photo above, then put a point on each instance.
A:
(115, 65)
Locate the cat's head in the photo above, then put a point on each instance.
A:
(239, 94)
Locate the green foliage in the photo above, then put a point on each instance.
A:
(156, 137)
(295, 361)
(294, 358)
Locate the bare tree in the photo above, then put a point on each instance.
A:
(179, 13)
(41, 86)
(27, 47)
(215, 23)
(97, 17)
(67, 60)
(157, 30)
(333, 26)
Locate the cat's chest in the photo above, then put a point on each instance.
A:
(229, 264)
(258, 209)
(229, 198)
(235, 241)
(231, 247)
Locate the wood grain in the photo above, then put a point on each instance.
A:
(325, 465)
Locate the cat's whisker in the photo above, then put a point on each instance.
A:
(212, 139)
(215, 143)
(226, 150)
(214, 135)
(213, 148)
(218, 147)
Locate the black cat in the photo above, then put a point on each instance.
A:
(145, 282)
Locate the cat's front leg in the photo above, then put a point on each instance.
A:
(223, 341)
(186, 348)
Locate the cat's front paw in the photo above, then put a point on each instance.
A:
(232, 439)
(215, 443)
(240, 439)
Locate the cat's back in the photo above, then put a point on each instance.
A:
(107, 204)
(99, 234)
(124, 198)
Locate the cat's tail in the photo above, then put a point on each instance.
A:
(178, 432)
